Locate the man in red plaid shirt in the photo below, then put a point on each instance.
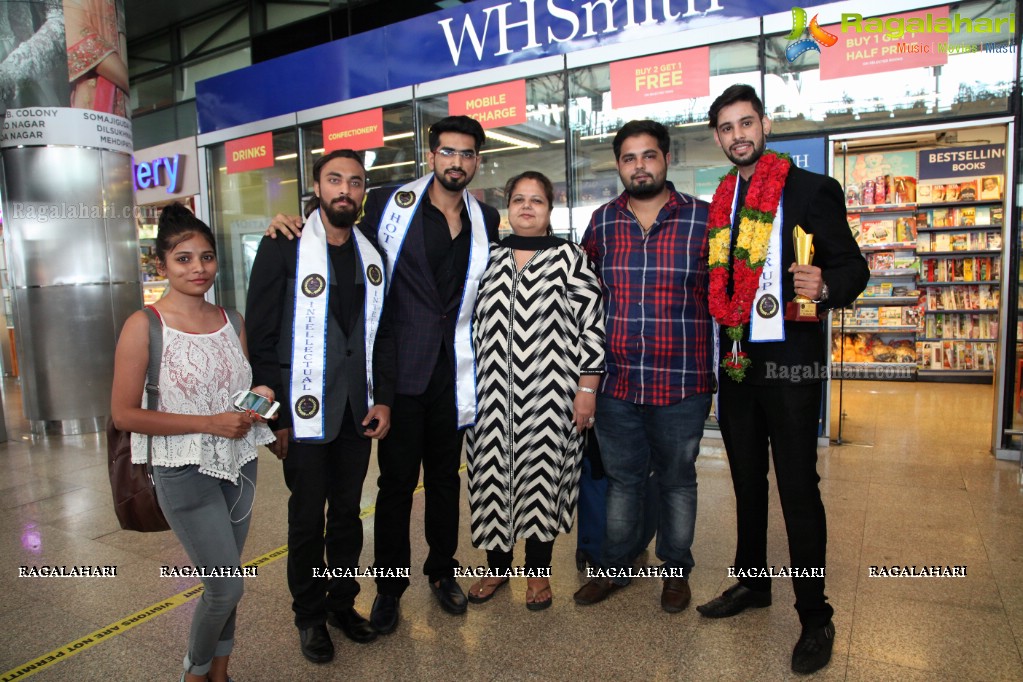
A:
(649, 248)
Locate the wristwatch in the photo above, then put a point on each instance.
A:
(824, 293)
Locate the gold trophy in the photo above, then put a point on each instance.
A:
(802, 309)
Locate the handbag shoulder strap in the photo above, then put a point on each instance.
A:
(236, 320)
(155, 357)
(153, 375)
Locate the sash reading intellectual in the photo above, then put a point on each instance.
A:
(309, 335)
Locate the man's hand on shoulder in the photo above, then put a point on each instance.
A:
(288, 225)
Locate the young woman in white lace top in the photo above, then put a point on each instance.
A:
(204, 451)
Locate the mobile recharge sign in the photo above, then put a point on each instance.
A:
(358, 131)
(493, 106)
(662, 78)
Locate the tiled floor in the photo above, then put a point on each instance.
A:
(913, 484)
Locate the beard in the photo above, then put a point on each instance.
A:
(452, 184)
(754, 156)
(645, 190)
(342, 216)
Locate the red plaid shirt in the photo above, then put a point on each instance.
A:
(659, 332)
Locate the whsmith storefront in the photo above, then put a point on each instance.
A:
(913, 107)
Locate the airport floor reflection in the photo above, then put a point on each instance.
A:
(913, 484)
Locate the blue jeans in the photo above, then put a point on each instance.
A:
(635, 439)
(211, 518)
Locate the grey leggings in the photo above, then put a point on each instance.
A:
(211, 518)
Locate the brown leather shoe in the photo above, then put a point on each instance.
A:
(675, 594)
(596, 590)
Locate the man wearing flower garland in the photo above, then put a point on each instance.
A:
(649, 248)
(770, 386)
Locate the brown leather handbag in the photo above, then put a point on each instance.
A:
(135, 500)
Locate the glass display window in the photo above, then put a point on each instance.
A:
(696, 160)
(392, 162)
(241, 206)
(858, 81)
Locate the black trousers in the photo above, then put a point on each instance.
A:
(319, 474)
(424, 433)
(786, 418)
(538, 555)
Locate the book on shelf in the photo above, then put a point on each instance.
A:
(967, 216)
(911, 315)
(997, 212)
(889, 316)
(905, 229)
(939, 217)
(924, 243)
(877, 231)
(884, 260)
(982, 215)
(968, 190)
(942, 241)
(964, 297)
(958, 241)
(904, 260)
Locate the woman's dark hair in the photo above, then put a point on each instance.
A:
(177, 224)
(548, 189)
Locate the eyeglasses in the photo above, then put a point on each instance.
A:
(449, 153)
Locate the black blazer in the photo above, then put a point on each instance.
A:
(419, 320)
(816, 203)
(269, 313)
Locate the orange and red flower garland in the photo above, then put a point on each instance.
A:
(755, 223)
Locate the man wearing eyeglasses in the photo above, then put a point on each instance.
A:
(435, 237)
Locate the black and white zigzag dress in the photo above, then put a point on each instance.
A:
(535, 331)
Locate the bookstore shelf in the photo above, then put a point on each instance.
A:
(888, 300)
(935, 277)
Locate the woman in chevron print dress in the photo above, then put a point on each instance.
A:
(539, 339)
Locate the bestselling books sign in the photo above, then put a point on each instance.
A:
(958, 162)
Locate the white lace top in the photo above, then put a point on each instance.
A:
(198, 375)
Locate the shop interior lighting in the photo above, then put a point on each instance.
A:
(285, 157)
(508, 139)
(392, 165)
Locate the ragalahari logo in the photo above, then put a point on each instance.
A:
(818, 36)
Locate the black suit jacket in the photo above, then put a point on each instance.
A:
(269, 312)
(817, 204)
(419, 319)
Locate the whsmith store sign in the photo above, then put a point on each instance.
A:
(463, 39)
(492, 33)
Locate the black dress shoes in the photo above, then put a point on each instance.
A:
(384, 616)
(813, 650)
(736, 599)
(450, 596)
(355, 627)
(316, 644)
